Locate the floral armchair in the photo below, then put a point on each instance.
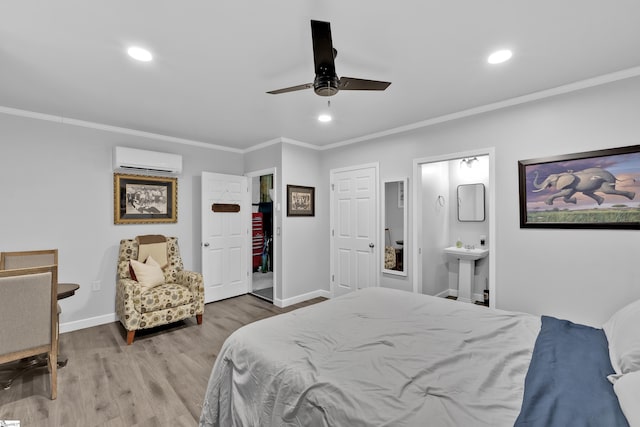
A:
(180, 296)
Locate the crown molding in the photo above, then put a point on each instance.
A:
(114, 129)
(548, 93)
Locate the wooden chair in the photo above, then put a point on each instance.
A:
(26, 259)
(29, 316)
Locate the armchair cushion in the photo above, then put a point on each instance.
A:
(156, 250)
(148, 274)
(168, 295)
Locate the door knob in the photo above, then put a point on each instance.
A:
(371, 245)
(206, 245)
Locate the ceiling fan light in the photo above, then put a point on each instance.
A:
(139, 54)
(500, 56)
(324, 118)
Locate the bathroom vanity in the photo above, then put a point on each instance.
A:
(466, 269)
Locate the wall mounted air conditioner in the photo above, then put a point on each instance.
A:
(132, 159)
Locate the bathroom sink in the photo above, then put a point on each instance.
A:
(466, 265)
(467, 254)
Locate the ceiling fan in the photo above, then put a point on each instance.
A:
(327, 82)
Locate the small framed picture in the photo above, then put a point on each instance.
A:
(300, 200)
(140, 199)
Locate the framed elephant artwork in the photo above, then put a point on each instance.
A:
(595, 189)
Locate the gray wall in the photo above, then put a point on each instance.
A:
(583, 275)
(301, 265)
(305, 254)
(468, 232)
(258, 160)
(436, 228)
(57, 192)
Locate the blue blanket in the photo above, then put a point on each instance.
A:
(566, 384)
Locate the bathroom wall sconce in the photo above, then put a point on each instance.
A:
(468, 161)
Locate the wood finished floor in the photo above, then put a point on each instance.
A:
(160, 380)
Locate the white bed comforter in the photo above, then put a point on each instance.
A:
(376, 357)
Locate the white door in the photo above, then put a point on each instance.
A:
(225, 235)
(354, 229)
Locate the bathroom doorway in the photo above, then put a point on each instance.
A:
(262, 236)
(438, 225)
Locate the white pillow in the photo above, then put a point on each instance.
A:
(623, 334)
(627, 389)
(149, 274)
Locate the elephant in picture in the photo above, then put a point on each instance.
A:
(588, 182)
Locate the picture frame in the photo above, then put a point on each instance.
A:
(300, 200)
(590, 190)
(141, 199)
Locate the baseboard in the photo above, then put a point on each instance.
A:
(87, 323)
(109, 318)
(300, 298)
(445, 293)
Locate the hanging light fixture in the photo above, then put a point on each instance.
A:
(326, 117)
(468, 161)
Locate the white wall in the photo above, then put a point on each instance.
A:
(57, 192)
(469, 232)
(302, 268)
(258, 160)
(437, 205)
(304, 239)
(394, 162)
(583, 275)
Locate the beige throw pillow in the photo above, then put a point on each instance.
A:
(156, 250)
(149, 274)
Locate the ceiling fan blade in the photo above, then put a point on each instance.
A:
(323, 52)
(350, 83)
(291, 89)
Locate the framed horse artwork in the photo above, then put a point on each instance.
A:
(140, 199)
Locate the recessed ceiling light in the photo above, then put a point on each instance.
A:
(324, 118)
(140, 54)
(499, 56)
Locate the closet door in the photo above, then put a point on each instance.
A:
(226, 217)
(354, 228)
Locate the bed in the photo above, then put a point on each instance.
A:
(381, 357)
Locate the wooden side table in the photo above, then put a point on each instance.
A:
(66, 290)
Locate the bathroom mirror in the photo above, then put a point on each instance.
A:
(395, 227)
(471, 202)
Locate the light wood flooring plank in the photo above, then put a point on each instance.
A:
(160, 380)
